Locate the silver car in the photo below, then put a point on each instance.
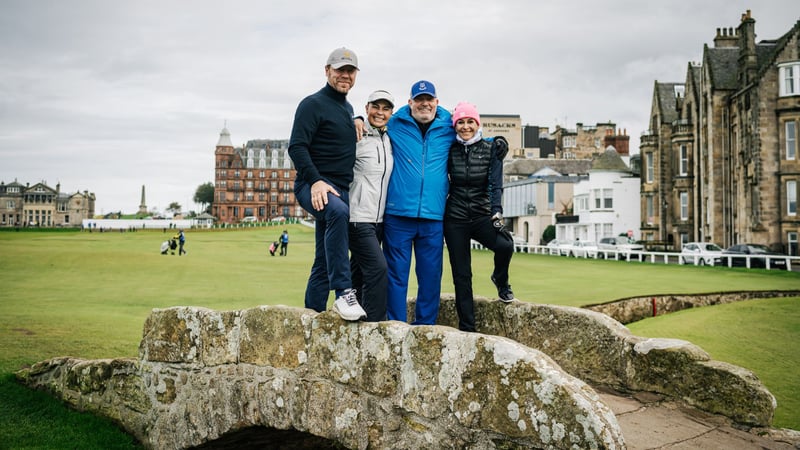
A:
(701, 253)
(583, 249)
(620, 247)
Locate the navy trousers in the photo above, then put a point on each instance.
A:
(331, 267)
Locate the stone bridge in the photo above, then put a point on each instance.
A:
(203, 376)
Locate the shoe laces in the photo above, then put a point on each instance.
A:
(350, 297)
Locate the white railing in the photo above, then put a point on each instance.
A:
(661, 257)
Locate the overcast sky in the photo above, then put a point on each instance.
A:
(107, 96)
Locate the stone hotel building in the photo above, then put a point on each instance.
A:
(720, 158)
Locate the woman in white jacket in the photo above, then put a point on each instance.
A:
(371, 173)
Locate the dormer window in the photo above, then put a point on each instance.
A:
(789, 78)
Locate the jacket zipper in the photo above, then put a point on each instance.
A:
(466, 178)
(383, 176)
(424, 159)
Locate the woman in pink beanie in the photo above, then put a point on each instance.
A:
(474, 210)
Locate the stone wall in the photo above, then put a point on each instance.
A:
(633, 309)
(202, 374)
(601, 351)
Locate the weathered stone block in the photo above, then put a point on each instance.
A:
(172, 335)
(219, 337)
(274, 336)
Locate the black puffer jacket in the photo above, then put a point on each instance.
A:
(476, 181)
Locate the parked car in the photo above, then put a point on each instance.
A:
(737, 256)
(558, 247)
(621, 246)
(583, 249)
(701, 253)
(249, 219)
(520, 244)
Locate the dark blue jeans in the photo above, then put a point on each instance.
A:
(368, 268)
(331, 267)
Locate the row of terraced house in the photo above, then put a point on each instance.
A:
(720, 158)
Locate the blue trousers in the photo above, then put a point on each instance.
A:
(401, 234)
(331, 267)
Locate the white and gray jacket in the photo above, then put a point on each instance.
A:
(373, 167)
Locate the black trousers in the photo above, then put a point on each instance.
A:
(457, 236)
(368, 268)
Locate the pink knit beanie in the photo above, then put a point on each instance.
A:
(464, 110)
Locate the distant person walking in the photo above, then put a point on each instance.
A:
(323, 148)
(284, 243)
(181, 240)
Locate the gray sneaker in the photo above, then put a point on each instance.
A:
(346, 305)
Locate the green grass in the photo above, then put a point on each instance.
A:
(761, 335)
(88, 295)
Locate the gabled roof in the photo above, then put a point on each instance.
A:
(16, 183)
(723, 62)
(693, 80)
(43, 186)
(526, 167)
(545, 172)
(722, 67)
(609, 161)
(667, 102)
(767, 51)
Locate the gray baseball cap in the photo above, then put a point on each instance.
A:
(343, 57)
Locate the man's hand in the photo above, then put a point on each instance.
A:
(359, 123)
(319, 194)
(500, 146)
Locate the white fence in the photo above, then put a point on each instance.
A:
(139, 224)
(748, 261)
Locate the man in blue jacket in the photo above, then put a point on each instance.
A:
(421, 134)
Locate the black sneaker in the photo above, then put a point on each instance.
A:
(504, 292)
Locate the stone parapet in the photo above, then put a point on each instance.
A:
(598, 349)
(633, 309)
(203, 374)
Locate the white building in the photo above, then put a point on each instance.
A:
(607, 204)
(531, 205)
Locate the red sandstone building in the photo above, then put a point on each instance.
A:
(256, 180)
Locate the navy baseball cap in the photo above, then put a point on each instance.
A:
(423, 87)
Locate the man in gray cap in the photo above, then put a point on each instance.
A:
(323, 148)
